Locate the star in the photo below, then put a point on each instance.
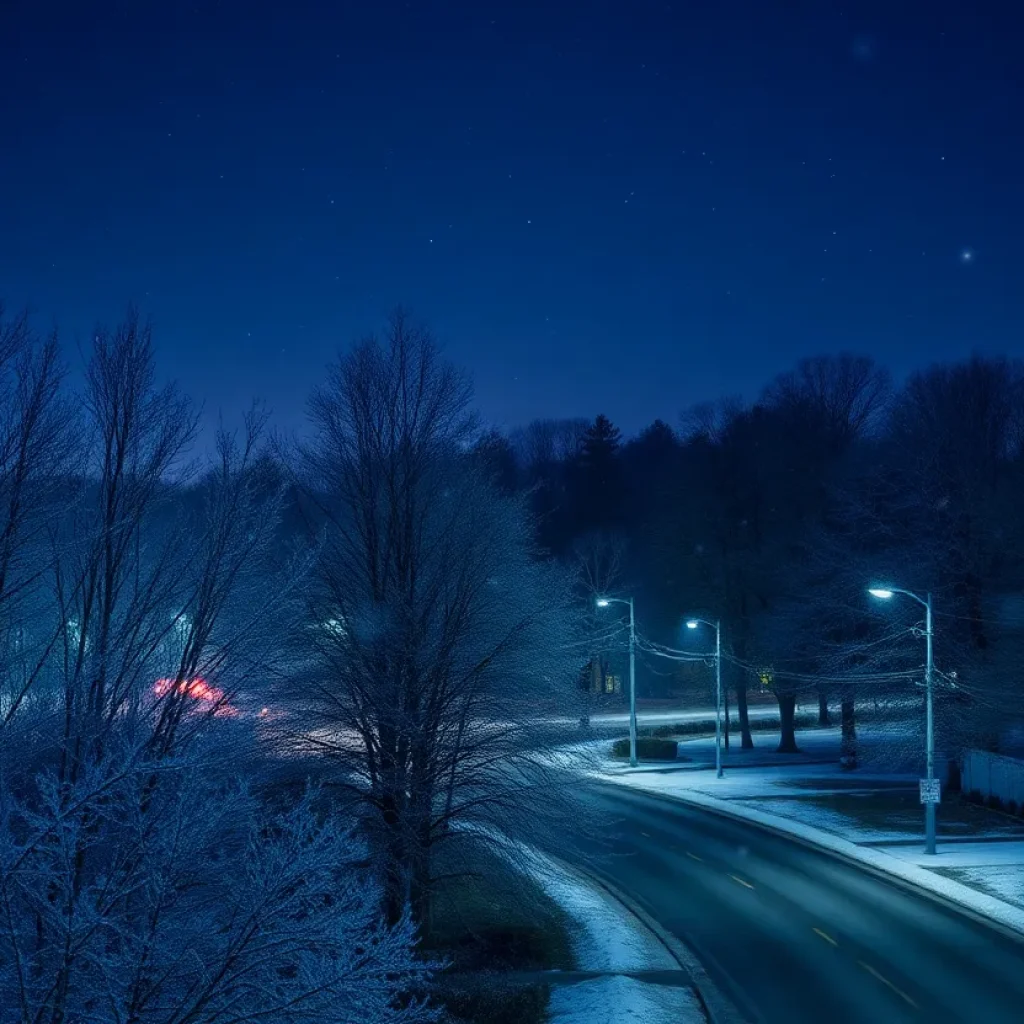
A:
(966, 255)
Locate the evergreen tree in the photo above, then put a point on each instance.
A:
(598, 481)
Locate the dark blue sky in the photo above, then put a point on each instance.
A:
(619, 207)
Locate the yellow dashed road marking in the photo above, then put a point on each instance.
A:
(736, 878)
(825, 935)
(885, 981)
(694, 856)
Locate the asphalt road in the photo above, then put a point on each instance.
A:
(791, 935)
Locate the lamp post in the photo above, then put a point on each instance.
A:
(885, 594)
(603, 602)
(717, 627)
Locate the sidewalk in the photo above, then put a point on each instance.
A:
(874, 818)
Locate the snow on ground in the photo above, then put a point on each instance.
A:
(1005, 883)
(996, 868)
(746, 783)
(823, 818)
(607, 937)
(958, 855)
(621, 1000)
(663, 716)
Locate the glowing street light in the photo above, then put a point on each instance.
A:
(717, 627)
(604, 602)
(885, 594)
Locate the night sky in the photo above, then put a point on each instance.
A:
(618, 207)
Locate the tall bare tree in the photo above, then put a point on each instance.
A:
(958, 447)
(140, 881)
(841, 400)
(37, 444)
(436, 637)
(848, 393)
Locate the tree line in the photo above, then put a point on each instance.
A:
(775, 516)
(244, 699)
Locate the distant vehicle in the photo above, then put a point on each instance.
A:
(199, 689)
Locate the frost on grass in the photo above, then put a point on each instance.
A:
(622, 1000)
(607, 937)
(1005, 883)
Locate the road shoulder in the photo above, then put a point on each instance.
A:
(631, 969)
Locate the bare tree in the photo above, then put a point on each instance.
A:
(843, 399)
(208, 906)
(36, 449)
(117, 558)
(544, 442)
(436, 636)
(140, 881)
(849, 394)
(956, 443)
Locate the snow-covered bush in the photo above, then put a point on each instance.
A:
(167, 893)
(141, 881)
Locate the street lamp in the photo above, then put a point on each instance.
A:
(886, 594)
(603, 602)
(717, 627)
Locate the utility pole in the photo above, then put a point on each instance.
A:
(632, 686)
(717, 627)
(929, 808)
(718, 698)
(604, 602)
(930, 794)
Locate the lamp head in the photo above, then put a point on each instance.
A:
(603, 602)
(882, 593)
(692, 624)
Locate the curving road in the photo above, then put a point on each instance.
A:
(791, 935)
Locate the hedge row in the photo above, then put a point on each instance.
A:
(648, 748)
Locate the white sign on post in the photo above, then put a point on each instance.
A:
(931, 792)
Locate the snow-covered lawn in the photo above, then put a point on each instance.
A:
(781, 780)
(608, 938)
(825, 818)
(617, 999)
(1005, 883)
(996, 868)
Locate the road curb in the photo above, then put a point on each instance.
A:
(907, 884)
(717, 1007)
